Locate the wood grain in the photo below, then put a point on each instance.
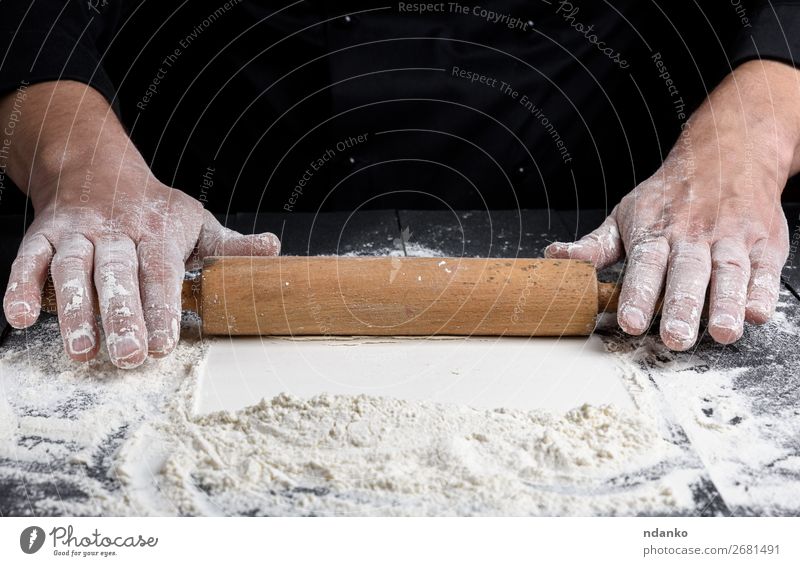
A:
(398, 296)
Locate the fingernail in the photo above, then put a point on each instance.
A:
(679, 330)
(161, 342)
(125, 350)
(726, 321)
(760, 309)
(632, 318)
(18, 309)
(81, 340)
(20, 314)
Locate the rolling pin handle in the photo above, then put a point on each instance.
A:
(608, 297)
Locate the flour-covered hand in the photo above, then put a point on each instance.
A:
(131, 249)
(105, 225)
(709, 221)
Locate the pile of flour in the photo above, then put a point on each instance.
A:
(361, 455)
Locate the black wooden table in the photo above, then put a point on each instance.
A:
(693, 391)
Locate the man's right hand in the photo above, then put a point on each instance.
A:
(107, 226)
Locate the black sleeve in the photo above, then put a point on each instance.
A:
(770, 30)
(45, 40)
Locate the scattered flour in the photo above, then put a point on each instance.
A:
(94, 440)
(741, 418)
(62, 422)
(412, 249)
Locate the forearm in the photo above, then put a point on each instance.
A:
(758, 103)
(63, 125)
(782, 83)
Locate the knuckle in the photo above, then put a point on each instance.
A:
(114, 243)
(643, 296)
(160, 260)
(728, 305)
(155, 280)
(114, 267)
(641, 290)
(766, 255)
(650, 255)
(733, 291)
(729, 264)
(122, 323)
(73, 298)
(22, 263)
(654, 242)
(689, 253)
(729, 253)
(34, 244)
(161, 313)
(109, 238)
(117, 300)
(27, 270)
(688, 268)
(68, 262)
(74, 244)
(765, 279)
(683, 306)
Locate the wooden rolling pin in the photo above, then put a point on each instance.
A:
(381, 296)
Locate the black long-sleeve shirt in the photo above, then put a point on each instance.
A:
(296, 105)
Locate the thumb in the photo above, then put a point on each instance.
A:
(603, 246)
(217, 240)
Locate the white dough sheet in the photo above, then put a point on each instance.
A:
(555, 374)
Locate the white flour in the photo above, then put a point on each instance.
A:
(409, 249)
(93, 440)
(365, 456)
(62, 422)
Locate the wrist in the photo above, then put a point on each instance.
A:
(64, 129)
(89, 151)
(769, 91)
(93, 183)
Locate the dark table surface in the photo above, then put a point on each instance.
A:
(766, 361)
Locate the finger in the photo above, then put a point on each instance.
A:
(603, 246)
(235, 244)
(687, 279)
(641, 288)
(160, 280)
(72, 279)
(730, 271)
(116, 280)
(216, 240)
(23, 299)
(766, 263)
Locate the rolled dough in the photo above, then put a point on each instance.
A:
(552, 374)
